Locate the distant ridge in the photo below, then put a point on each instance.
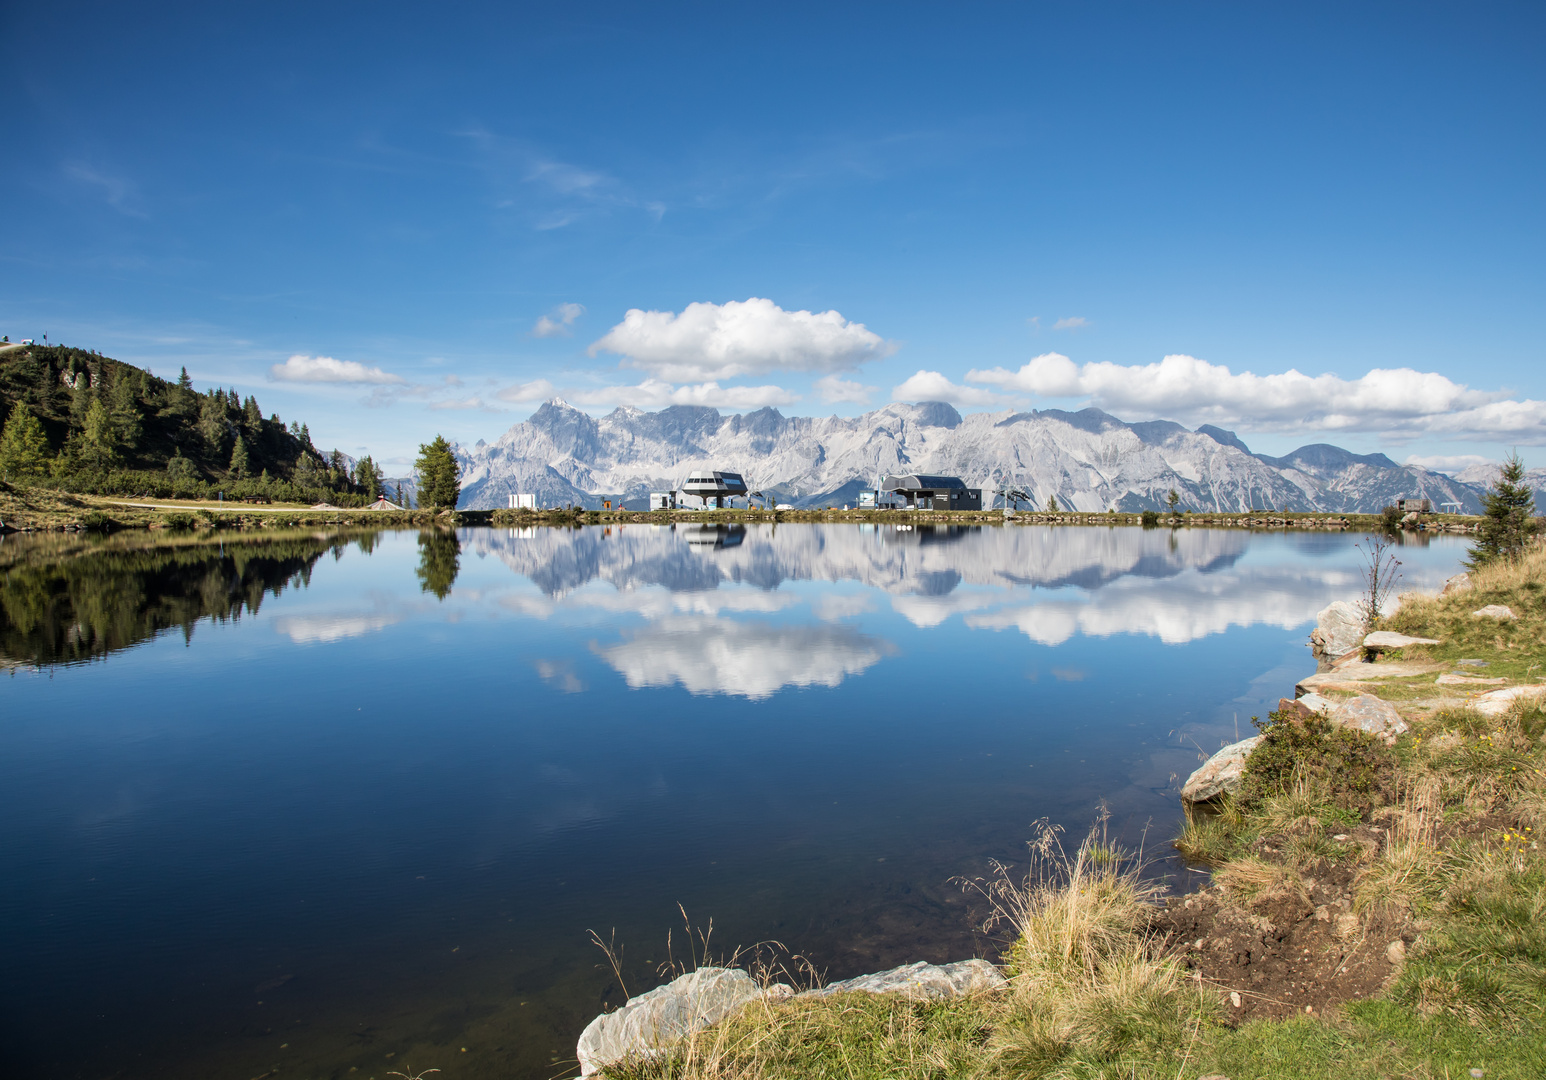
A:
(1088, 460)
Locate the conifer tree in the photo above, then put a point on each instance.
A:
(253, 415)
(440, 475)
(23, 446)
(97, 446)
(212, 425)
(126, 413)
(1507, 511)
(241, 463)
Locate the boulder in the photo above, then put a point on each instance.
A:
(1306, 706)
(1339, 629)
(922, 982)
(1494, 611)
(1221, 773)
(1370, 714)
(1389, 639)
(653, 1020)
(1498, 702)
(1457, 584)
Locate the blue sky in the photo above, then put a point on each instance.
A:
(392, 220)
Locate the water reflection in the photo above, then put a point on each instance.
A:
(77, 601)
(439, 561)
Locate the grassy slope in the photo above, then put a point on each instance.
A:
(1455, 867)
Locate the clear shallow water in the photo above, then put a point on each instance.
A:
(298, 804)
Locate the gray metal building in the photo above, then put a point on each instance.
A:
(922, 492)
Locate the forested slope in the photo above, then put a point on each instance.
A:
(84, 422)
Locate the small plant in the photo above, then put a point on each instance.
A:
(1381, 572)
(1390, 520)
(1150, 519)
(180, 522)
(96, 521)
(1341, 767)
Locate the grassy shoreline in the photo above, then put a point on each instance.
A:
(1373, 910)
(35, 509)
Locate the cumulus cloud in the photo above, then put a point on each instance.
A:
(1398, 402)
(324, 369)
(932, 386)
(324, 629)
(1076, 323)
(655, 394)
(557, 322)
(536, 390)
(834, 389)
(751, 659)
(721, 341)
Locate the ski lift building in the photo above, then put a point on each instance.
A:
(718, 486)
(923, 492)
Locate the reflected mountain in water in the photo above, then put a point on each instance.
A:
(79, 601)
(928, 560)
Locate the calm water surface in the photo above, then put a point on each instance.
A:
(324, 802)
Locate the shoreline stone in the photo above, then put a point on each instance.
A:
(1221, 773)
(922, 981)
(1389, 639)
(1339, 629)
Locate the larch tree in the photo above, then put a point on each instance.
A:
(23, 446)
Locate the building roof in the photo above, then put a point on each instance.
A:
(723, 483)
(920, 482)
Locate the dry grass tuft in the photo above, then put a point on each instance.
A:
(1404, 875)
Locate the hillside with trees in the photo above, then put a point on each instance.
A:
(82, 422)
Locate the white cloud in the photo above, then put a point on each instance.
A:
(1397, 402)
(1076, 323)
(932, 386)
(653, 393)
(457, 404)
(1449, 463)
(752, 659)
(721, 341)
(834, 389)
(833, 607)
(557, 322)
(536, 390)
(324, 369)
(323, 629)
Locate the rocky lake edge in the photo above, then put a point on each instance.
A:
(1375, 900)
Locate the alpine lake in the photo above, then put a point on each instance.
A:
(344, 803)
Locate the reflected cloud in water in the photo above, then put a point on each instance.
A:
(322, 629)
(750, 658)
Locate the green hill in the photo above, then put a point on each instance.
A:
(105, 427)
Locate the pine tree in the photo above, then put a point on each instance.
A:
(1052, 504)
(254, 415)
(440, 476)
(23, 446)
(183, 382)
(368, 475)
(1507, 510)
(241, 464)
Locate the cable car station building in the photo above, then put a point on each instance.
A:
(718, 486)
(933, 492)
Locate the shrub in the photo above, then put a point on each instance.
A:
(1150, 519)
(1348, 769)
(96, 521)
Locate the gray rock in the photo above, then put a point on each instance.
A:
(1339, 629)
(1370, 714)
(665, 1014)
(1455, 678)
(1220, 773)
(1498, 702)
(1494, 611)
(923, 982)
(1317, 704)
(1457, 584)
(1389, 639)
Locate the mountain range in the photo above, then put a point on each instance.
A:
(1088, 460)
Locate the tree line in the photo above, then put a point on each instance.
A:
(83, 422)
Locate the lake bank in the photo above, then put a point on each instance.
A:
(1373, 904)
(24, 509)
